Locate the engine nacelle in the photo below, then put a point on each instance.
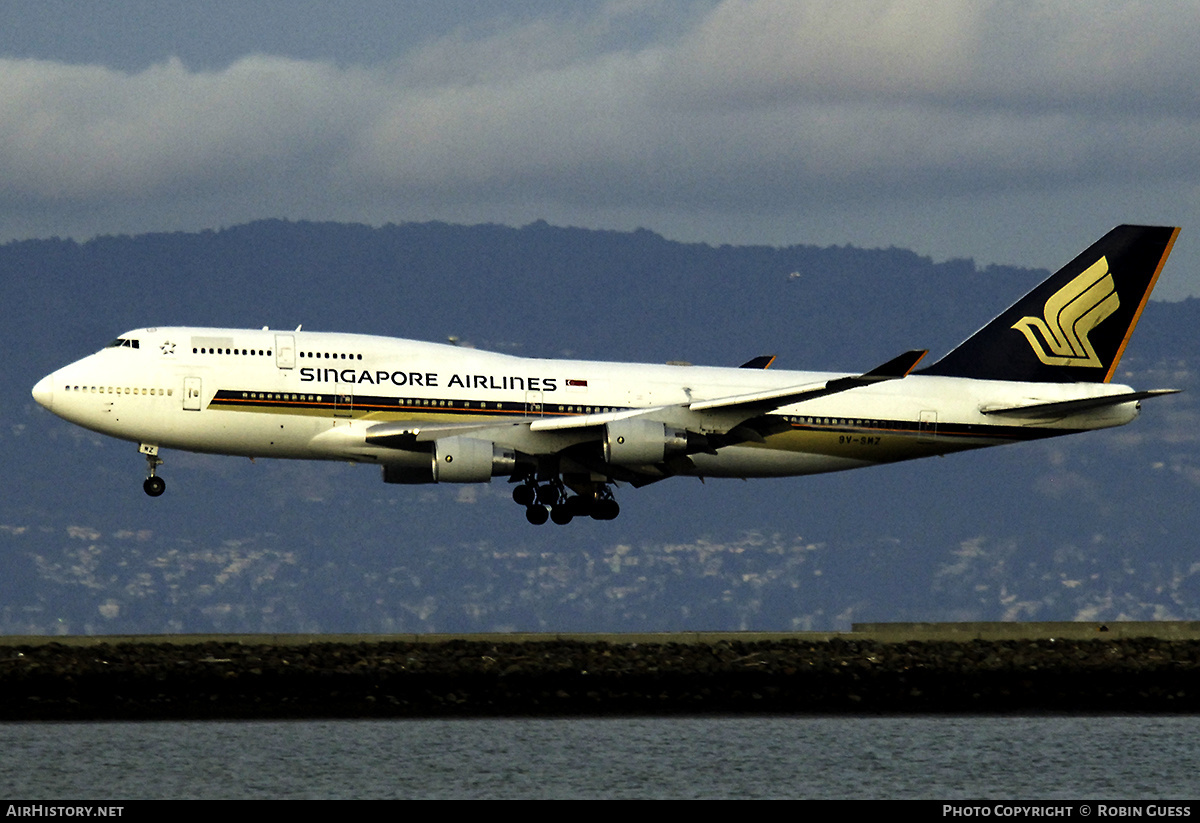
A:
(468, 460)
(638, 442)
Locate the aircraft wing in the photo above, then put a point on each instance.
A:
(745, 406)
(1064, 408)
(723, 414)
(765, 401)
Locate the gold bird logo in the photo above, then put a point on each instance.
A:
(1061, 338)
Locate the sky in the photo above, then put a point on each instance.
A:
(1005, 132)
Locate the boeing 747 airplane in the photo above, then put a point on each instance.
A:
(565, 432)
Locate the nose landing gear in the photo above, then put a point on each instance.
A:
(154, 485)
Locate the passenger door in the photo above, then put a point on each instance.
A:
(192, 394)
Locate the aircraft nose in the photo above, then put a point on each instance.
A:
(43, 392)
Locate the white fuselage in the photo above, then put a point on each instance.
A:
(314, 395)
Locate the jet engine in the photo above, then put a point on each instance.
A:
(468, 460)
(638, 442)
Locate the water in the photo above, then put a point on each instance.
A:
(942, 758)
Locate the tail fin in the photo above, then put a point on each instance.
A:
(1073, 327)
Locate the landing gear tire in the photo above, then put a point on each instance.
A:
(154, 485)
(605, 510)
(551, 500)
(578, 505)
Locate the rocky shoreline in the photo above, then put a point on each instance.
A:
(473, 678)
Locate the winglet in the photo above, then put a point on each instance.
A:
(763, 361)
(895, 368)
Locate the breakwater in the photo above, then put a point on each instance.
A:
(876, 671)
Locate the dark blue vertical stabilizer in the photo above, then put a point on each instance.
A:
(1073, 327)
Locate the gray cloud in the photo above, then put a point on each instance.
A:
(749, 105)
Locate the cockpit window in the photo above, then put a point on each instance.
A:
(126, 342)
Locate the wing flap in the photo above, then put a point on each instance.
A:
(583, 421)
(408, 434)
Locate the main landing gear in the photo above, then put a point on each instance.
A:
(551, 500)
(154, 485)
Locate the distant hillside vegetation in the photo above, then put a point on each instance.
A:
(1100, 526)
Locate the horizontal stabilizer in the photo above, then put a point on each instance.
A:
(1064, 408)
